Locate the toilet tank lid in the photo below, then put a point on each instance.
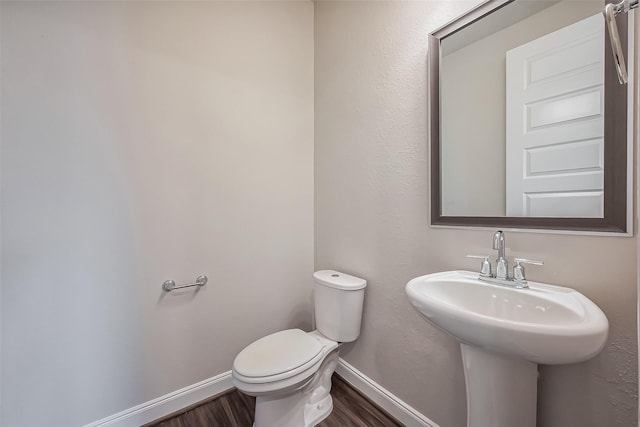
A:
(337, 280)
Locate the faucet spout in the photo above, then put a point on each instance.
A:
(502, 268)
(498, 243)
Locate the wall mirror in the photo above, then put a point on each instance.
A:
(529, 125)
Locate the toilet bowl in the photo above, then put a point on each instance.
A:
(289, 372)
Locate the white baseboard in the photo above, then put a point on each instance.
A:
(382, 397)
(167, 404)
(172, 402)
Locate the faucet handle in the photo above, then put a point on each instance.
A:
(527, 261)
(485, 266)
(518, 269)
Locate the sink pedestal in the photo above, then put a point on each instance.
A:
(501, 391)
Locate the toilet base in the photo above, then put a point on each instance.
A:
(304, 407)
(317, 412)
(286, 411)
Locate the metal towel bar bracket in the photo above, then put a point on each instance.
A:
(611, 10)
(170, 285)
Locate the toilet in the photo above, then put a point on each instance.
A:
(289, 372)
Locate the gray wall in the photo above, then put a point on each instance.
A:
(143, 141)
(371, 199)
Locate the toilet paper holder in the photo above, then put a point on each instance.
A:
(170, 285)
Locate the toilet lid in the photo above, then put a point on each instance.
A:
(277, 353)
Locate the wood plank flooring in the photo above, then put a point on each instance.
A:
(234, 409)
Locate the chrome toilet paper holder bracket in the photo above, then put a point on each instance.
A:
(170, 285)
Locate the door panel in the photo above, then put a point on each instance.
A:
(555, 123)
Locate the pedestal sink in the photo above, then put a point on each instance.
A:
(504, 333)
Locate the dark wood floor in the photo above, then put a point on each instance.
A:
(235, 409)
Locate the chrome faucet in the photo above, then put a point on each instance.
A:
(502, 266)
(498, 243)
(501, 277)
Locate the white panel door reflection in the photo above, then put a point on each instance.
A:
(555, 124)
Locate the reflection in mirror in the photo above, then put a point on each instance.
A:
(522, 113)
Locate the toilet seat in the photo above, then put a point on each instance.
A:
(277, 357)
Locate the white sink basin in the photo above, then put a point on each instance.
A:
(542, 324)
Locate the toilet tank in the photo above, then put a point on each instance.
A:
(338, 299)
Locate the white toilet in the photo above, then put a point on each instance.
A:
(290, 371)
